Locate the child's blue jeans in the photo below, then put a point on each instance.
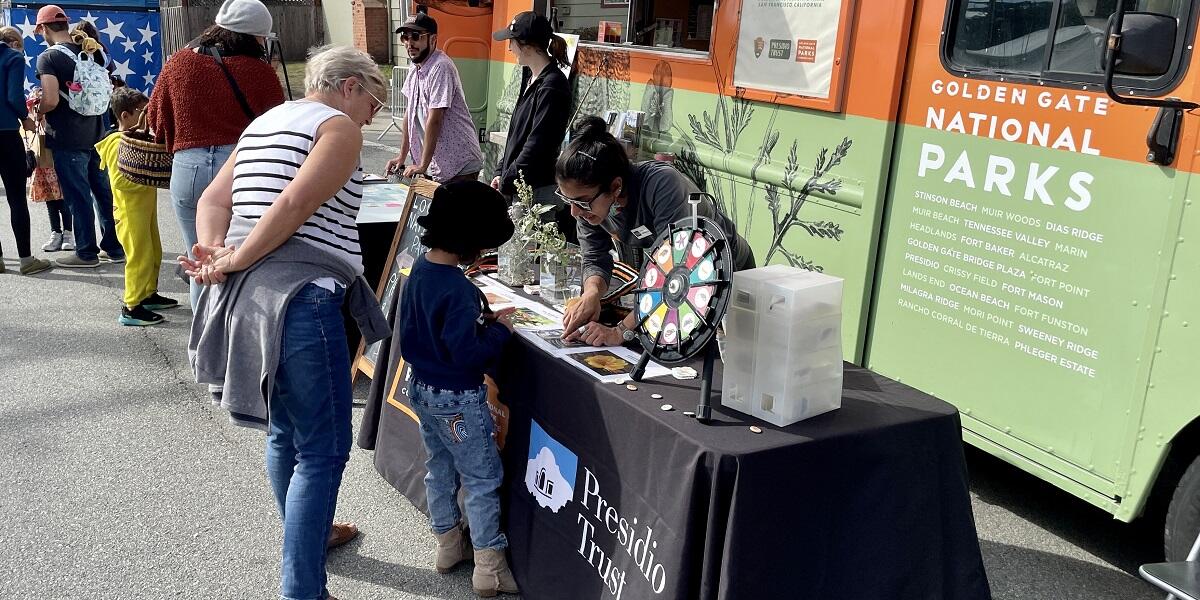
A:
(457, 428)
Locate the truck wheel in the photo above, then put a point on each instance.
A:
(1183, 515)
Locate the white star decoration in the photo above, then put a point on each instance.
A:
(129, 45)
(90, 19)
(147, 35)
(28, 29)
(28, 60)
(28, 86)
(148, 56)
(113, 31)
(122, 69)
(149, 78)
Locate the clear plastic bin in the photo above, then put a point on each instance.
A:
(783, 356)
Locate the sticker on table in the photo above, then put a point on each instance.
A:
(700, 245)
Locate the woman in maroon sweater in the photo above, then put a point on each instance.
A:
(197, 113)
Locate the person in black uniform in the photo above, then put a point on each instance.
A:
(539, 119)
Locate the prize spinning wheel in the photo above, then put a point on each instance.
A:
(683, 295)
(683, 292)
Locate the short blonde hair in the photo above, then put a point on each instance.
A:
(11, 36)
(329, 66)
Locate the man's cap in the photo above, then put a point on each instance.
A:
(419, 22)
(471, 209)
(527, 27)
(249, 17)
(51, 14)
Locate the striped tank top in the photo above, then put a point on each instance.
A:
(269, 155)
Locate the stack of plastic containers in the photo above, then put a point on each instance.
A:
(783, 346)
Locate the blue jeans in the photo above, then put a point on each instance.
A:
(191, 172)
(308, 439)
(457, 427)
(83, 183)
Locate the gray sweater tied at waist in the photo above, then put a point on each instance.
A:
(242, 319)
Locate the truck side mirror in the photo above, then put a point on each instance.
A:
(1145, 45)
(1142, 44)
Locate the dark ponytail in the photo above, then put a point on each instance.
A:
(594, 158)
(558, 50)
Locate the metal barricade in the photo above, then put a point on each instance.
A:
(399, 72)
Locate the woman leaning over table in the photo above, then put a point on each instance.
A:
(279, 248)
(612, 199)
(195, 111)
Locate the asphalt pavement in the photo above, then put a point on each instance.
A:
(121, 480)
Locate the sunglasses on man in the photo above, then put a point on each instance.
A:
(412, 36)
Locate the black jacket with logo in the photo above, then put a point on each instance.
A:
(537, 129)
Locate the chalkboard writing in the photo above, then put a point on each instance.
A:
(410, 239)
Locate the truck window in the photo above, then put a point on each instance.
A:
(1057, 40)
(673, 25)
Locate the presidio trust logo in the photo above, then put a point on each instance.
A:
(550, 477)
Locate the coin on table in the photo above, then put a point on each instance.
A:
(667, 407)
(631, 387)
(755, 429)
(656, 396)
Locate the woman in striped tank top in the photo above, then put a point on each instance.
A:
(282, 210)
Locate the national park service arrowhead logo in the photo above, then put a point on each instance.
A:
(759, 44)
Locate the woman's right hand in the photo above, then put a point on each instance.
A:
(496, 182)
(582, 312)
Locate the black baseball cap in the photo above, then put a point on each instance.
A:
(419, 22)
(526, 27)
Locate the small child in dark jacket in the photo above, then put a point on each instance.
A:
(449, 337)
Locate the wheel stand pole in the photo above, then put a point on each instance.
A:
(704, 410)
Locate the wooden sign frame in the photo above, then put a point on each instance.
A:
(363, 363)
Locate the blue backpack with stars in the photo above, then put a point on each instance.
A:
(95, 86)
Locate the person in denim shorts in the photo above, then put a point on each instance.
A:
(449, 337)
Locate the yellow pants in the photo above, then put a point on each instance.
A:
(137, 229)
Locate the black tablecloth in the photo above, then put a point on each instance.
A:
(866, 502)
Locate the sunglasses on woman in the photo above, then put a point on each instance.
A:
(579, 202)
(377, 105)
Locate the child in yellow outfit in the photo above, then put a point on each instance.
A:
(135, 210)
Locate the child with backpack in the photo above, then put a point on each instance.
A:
(449, 337)
(135, 208)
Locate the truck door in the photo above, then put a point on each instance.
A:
(1020, 267)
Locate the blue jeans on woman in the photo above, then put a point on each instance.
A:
(457, 428)
(191, 172)
(309, 434)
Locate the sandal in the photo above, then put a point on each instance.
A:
(341, 533)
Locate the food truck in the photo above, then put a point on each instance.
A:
(1015, 229)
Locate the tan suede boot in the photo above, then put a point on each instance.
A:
(453, 547)
(492, 574)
